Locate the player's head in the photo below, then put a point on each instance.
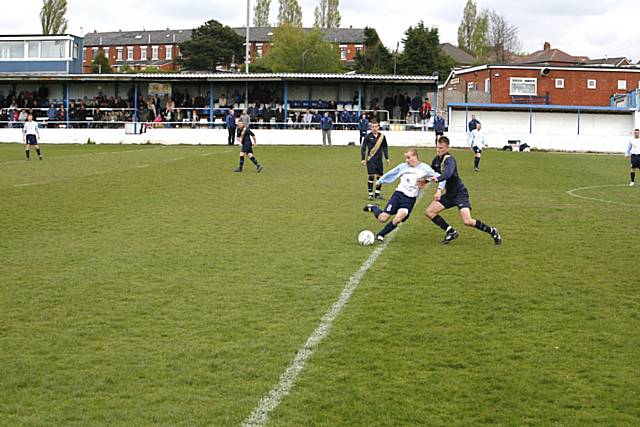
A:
(442, 146)
(375, 126)
(240, 124)
(30, 117)
(411, 157)
(636, 133)
(478, 125)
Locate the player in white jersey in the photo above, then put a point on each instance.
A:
(30, 135)
(478, 142)
(413, 175)
(633, 150)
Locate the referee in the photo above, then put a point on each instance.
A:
(31, 135)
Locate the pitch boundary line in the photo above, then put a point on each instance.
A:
(260, 415)
(573, 192)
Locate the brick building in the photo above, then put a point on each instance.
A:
(160, 48)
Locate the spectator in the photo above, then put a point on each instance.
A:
(307, 119)
(52, 114)
(425, 114)
(245, 118)
(230, 121)
(439, 125)
(280, 117)
(363, 126)
(326, 124)
(416, 103)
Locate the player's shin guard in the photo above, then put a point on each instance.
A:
(38, 151)
(370, 185)
(255, 161)
(633, 174)
(388, 228)
(482, 226)
(378, 188)
(440, 222)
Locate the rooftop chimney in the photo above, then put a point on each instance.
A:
(547, 46)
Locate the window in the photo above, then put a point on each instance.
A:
(259, 50)
(154, 53)
(129, 53)
(11, 50)
(559, 83)
(591, 84)
(52, 49)
(168, 51)
(76, 50)
(143, 53)
(343, 52)
(95, 52)
(622, 85)
(472, 86)
(359, 48)
(107, 51)
(487, 85)
(523, 86)
(34, 49)
(119, 54)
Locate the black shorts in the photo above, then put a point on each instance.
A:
(460, 200)
(439, 133)
(477, 149)
(374, 167)
(32, 140)
(400, 201)
(247, 148)
(635, 160)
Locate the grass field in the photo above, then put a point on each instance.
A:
(148, 285)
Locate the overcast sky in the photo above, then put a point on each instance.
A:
(579, 27)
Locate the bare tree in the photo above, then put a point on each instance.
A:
(261, 13)
(52, 16)
(502, 37)
(327, 14)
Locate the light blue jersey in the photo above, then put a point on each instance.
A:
(409, 177)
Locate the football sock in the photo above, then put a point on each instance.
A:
(388, 228)
(378, 188)
(633, 174)
(254, 160)
(482, 226)
(370, 185)
(38, 151)
(27, 152)
(440, 222)
(476, 162)
(241, 162)
(376, 211)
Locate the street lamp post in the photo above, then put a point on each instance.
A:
(246, 58)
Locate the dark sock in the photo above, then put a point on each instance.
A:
(482, 226)
(254, 160)
(376, 211)
(440, 222)
(370, 185)
(378, 188)
(38, 151)
(633, 174)
(241, 162)
(476, 162)
(27, 152)
(388, 228)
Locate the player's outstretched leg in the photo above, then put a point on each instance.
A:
(465, 214)
(392, 225)
(432, 213)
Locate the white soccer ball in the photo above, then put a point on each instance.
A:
(366, 237)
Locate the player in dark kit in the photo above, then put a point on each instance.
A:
(373, 147)
(244, 137)
(456, 194)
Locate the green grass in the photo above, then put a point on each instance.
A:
(151, 285)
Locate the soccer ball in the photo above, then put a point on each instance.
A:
(366, 238)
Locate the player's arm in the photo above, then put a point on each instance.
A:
(253, 136)
(37, 131)
(628, 151)
(363, 151)
(448, 167)
(392, 175)
(385, 149)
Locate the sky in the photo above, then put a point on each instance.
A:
(578, 27)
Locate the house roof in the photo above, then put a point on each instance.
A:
(256, 34)
(621, 60)
(550, 56)
(460, 56)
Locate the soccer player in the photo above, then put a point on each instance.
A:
(374, 146)
(634, 150)
(478, 142)
(244, 137)
(413, 175)
(31, 135)
(456, 194)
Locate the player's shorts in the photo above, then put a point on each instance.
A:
(247, 148)
(635, 160)
(400, 201)
(439, 133)
(476, 149)
(32, 140)
(460, 200)
(374, 167)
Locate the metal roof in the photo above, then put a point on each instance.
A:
(538, 107)
(240, 77)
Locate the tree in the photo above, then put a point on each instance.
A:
(290, 13)
(52, 16)
(100, 64)
(479, 38)
(261, 13)
(472, 31)
(422, 53)
(212, 44)
(327, 14)
(293, 51)
(376, 58)
(502, 37)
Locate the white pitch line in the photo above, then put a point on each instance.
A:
(25, 185)
(87, 154)
(572, 193)
(143, 166)
(262, 412)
